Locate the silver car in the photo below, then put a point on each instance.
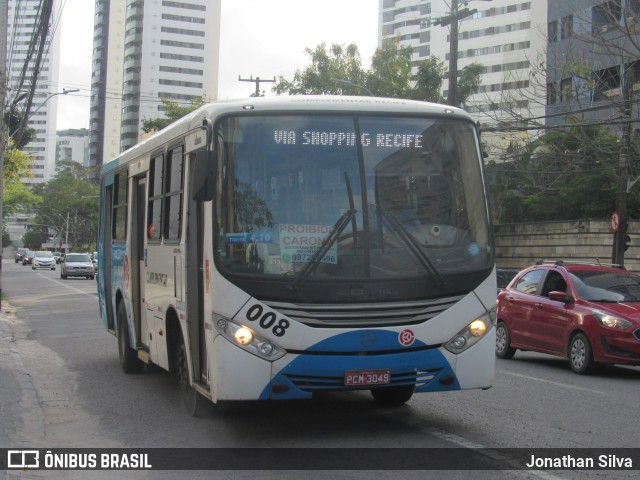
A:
(77, 265)
(43, 259)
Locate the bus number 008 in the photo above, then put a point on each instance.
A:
(268, 320)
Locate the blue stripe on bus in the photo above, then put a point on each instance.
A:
(363, 341)
(317, 372)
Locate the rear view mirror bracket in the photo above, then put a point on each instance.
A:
(204, 168)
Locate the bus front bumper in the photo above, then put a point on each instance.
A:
(238, 375)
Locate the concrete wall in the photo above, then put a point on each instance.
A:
(520, 245)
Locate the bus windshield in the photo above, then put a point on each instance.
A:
(322, 206)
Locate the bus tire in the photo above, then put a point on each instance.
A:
(194, 402)
(392, 396)
(129, 360)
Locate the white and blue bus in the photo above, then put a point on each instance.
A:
(273, 248)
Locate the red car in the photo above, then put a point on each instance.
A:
(588, 313)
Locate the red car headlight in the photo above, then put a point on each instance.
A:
(611, 321)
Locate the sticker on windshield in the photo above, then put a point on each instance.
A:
(473, 249)
(299, 242)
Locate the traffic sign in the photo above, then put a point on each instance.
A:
(615, 222)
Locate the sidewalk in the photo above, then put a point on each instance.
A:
(21, 417)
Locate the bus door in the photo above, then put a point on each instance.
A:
(105, 267)
(194, 286)
(138, 231)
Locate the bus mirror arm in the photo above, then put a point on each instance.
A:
(203, 176)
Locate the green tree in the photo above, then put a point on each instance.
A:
(69, 205)
(327, 65)
(339, 71)
(429, 78)
(20, 134)
(560, 176)
(6, 240)
(469, 81)
(34, 238)
(173, 111)
(390, 72)
(16, 195)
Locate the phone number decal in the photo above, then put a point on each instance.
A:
(267, 320)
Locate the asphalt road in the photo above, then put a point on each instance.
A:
(61, 386)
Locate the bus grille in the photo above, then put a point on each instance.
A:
(312, 383)
(365, 314)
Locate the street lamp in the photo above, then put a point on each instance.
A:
(63, 92)
(26, 119)
(351, 84)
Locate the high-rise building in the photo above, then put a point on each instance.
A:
(32, 73)
(592, 58)
(72, 145)
(146, 51)
(505, 36)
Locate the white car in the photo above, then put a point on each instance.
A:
(43, 259)
(77, 265)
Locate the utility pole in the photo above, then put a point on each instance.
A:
(452, 19)
(619, 237)
(66, 236)
(257, 81)
(4, 14)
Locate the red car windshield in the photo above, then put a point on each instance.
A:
(607, 286)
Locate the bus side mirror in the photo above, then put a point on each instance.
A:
(203, 176)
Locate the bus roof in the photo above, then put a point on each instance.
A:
(294, 103)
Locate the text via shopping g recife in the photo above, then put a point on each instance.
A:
(347, 139)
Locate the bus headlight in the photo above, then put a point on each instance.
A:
(243, 336)
(470, 334)
(248, 340)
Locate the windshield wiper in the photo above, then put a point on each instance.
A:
(313, 262)
(337, 229)
(412, 243)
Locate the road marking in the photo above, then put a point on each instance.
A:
(516, 468)
(504, 458)
(554, 383)
(67, 285)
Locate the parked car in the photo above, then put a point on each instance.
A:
(587, 313)
(77, 265)
(27, 257)
(20, 253)
(43, 259)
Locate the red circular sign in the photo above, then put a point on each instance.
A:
(615, 222)
(406, 337)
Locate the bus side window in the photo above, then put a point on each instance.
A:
(120, 207)
(173, 194)
(154, 205)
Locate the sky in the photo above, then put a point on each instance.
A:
(259, 38)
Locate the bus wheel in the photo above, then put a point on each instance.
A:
(392, 396)
(193, 401)
(129, 360)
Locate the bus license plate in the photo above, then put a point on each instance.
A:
(367, 377)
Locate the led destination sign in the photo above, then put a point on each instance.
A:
(347, 139)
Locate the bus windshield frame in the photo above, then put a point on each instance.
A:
(347, 207)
